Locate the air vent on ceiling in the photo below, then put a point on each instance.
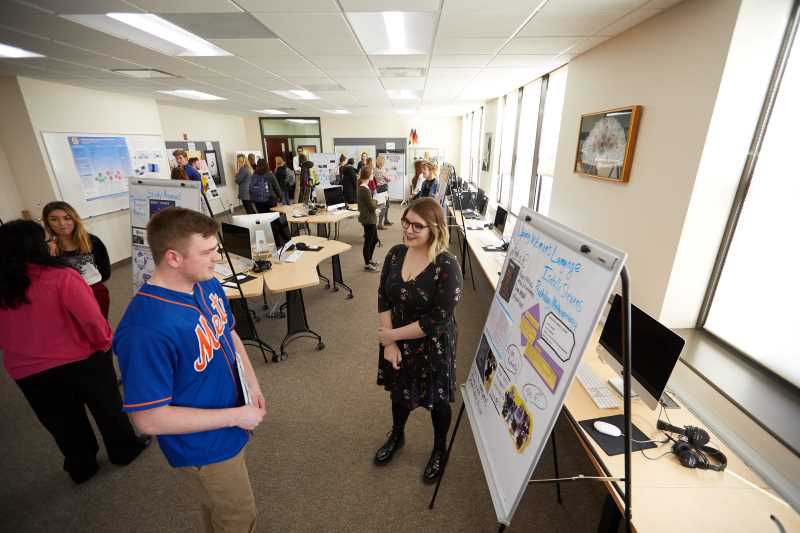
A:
(401, 72)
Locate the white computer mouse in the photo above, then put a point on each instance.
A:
(607, 429)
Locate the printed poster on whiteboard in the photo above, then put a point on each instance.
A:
(547, 304)
(327, 168)
(103, 164)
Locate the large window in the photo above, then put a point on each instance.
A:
(548, 141)
(477, 128)
(507, 146)
(465, 165)
(526, 143)
(494, 184)
(754, 306)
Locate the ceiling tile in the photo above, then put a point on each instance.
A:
(295, 29)
(361, 84)
(584, 44)
(467, 45)
(460, 60)
(341, 62)
(410, 61)
(521, 60)
(349, 72)
(221, 25)
(227, 65)
(494, 23)
(415, 84)
(255, 48)
(187, 6)
(84, 7)
(390, 5)
(456, 75)
(556, 22)
(289, 6)
(538, 45)
(629, 21)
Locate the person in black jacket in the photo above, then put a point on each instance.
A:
(305, 179)
(285, 177)
(264, 190)
(349, 179)
(83, 251)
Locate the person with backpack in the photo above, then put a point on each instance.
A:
(285, 177)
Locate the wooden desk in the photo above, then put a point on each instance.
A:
(322, 218)
(666, 496)
(292, 278)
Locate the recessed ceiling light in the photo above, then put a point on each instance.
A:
(192, 95)
(338, 111)
(270, 111)
(296, 94)
(13, 52)
(404, 32)
(301, 120)
(402, 94)
(150, 31)
(142, 73)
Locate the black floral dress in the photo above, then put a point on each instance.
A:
(427, 372)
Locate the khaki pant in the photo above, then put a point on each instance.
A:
(224, 493)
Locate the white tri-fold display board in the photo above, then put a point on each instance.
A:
(93, 170)
(148, 197)
(553, 286)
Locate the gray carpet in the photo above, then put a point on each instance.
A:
(311, 460)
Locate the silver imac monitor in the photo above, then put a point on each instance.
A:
(260, 226)
(334, 198)
(655, 349)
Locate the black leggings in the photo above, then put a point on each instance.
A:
(370, 240)
(440, 416)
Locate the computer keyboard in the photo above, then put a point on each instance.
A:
(291, 257)
(601, 395)
(490, 240)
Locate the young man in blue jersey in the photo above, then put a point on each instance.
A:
(186, 373)
(182, 159)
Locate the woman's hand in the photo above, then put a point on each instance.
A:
(386, 336)
(392, 354)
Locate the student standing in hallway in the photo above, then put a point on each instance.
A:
(82, 250)
(368, 219)
(181, 360)
(183, 163)
(55, 346)
(420, 286)
(243, 174)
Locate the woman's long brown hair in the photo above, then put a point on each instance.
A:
(80, 237)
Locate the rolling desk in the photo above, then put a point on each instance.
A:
(322, 218)
(667, 497)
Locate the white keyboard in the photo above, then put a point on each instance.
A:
(601, 395)
(291, 257)
(487, 240)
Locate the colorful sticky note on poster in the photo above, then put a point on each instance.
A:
(544, 365)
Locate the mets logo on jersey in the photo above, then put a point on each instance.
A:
(208, 335)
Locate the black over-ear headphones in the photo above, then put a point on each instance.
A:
(693, 452)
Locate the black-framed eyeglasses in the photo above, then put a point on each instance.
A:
(416, 227)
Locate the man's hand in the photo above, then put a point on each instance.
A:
(386, 336)
(392, 354)
(257, 397)
(248, 416)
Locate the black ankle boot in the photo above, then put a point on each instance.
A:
(434, 467)
(385, 453)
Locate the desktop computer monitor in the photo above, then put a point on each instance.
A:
(466, 201)
(655, 350)
(236, 240)
(280, 231)
(261, 234)
(334, 198)
(500, 220)
(481, 203)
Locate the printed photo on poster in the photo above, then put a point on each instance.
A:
(509, 279)
(487, 363)
(158, 205)
(211, 161)
(519, 420)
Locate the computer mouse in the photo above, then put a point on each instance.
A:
(607, 429)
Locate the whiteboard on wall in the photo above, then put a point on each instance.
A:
(552, 289)
(92, 170)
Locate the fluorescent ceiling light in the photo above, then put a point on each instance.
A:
(192, 95)
(404, 32)
(296, 94)
(270, 111)
(338, 111)
(402, 94)
(13, 52)
(150, 31)
(142, 73)
(301, 120)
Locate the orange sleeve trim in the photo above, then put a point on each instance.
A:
(153, 296)
(146, 403)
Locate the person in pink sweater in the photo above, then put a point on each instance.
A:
(55, 345)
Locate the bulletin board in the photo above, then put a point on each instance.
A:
(209, 151)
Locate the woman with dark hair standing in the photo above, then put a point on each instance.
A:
(264, 190)
(368, 219)
(55, 346)
(243, 174)
(420, 286)
(81, 250)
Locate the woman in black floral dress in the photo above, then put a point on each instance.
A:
(420, 287)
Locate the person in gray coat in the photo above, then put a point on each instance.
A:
(244, 173)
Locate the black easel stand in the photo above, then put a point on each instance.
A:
(610, 519)
(465, 258)
(255, 341)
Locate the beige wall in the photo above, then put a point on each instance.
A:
(670, 64)
(233, 132)
(11, 205)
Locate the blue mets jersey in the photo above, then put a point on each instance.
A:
(176, 349)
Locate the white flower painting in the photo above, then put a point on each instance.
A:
(605, 143)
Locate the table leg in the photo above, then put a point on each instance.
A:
(297, 323)
(337, 277)
(327, 281)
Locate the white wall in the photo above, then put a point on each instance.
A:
(670, 64)
(11, 204)
(233, 132)
(443, 133)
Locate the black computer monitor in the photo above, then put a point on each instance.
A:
(500, 219)
(481, 203)
(655, 350)
(280, 231)
(466, 201)
(236, 240)
(334, 197)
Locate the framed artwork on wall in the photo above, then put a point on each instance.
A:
(487, 151)
(605, 143)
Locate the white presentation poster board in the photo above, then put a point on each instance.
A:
(546, 306)
(93, 170)
(355, 152)
(395, 166)
(326, 167)
(148, 197)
